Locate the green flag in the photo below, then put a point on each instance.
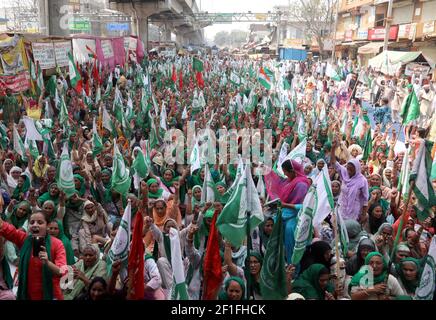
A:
(303, 232)
(179, 289)
(410, 108)
(208, 193)
(368, 145)
(51, 86)
(18, 144)
(97, 144)
(120, 246)
(420, 173)
(433, 169)
(63, 116)
(139, 167)
(120, 176)
(64, 175)
(286, 84)
(197, 64)
(72, 69)
(232, 222)
(273, 274)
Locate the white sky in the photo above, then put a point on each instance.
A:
(228, 6)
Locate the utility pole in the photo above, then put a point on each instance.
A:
(334, 31)
(279, 15)
(388, 25)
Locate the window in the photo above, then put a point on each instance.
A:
(428, 11)
(379, 20)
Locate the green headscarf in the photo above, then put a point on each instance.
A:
(383, 202)
(67, 243)
(307, 283)
(410, 286)
(154, 195)
(19, 222)
(355, 281)
(203, 231)
(223, 294)
(226, 196)
(82, 189)
(46, 196)
(254, 286)
(47, 281)
(195, 202)
(168, 184)
(107, 187)
(23, 189)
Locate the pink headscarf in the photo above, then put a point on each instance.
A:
(282, 188)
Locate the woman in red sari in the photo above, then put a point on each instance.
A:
(39, 276)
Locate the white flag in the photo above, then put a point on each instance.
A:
(163, 117)
(31, 131)
(208, 194)
(426, 288)
(120, 246)
(298, 153)
(195, 158)
(324, 203)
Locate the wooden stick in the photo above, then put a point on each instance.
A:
(397, 236)
(335, 229)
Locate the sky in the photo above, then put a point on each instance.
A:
(228, 6)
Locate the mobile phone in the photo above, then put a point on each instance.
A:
(38, 242)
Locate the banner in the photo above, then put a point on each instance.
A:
(81, 54)
(45, 54)
(17, 83)
(61, 52)
(12, 56)
(416, 68)
(106, 46)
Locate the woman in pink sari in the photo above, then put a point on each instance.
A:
(291, 192)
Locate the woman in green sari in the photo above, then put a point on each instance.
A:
(314, 284)
(80, 185)
(154, 191)
(56, 229)
(23, 186)
(52, 194)
(18, 215)
(409, 274)
(234, 289)
(88, 267)
(222, 195)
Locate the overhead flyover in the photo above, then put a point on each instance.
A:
(164, 12)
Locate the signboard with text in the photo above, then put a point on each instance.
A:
(44, 53)
(407, 31)
(348, 35)
(378, 33)
(117, 26)
(16, 83)
(362, 34)
(61, 52)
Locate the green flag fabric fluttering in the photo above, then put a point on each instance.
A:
(273, 274)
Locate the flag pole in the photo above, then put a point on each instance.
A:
(247, 261)
(335, 225)
(400, 226)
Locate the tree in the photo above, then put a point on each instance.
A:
(221, 38)
(317, 17)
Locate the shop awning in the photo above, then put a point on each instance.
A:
(370, 48)
(353, 43)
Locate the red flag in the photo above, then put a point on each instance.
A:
(136, 261)
(180, 80)
(79, 85)
(200, 80)
(213, 276)
(91, 53)
(95, 73)
(174, 76)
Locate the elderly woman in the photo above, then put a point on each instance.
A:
(52, 194)
(375, 265)
(314, 283)
(94, 227)
(234, 289)
(354, 190)
(88, 267)
(21, 191)
(383, 240)
(409, 274)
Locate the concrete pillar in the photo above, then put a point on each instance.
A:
(167, 33)
(180, 39)
(43, 17)
(143, 30)
(58, 18)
